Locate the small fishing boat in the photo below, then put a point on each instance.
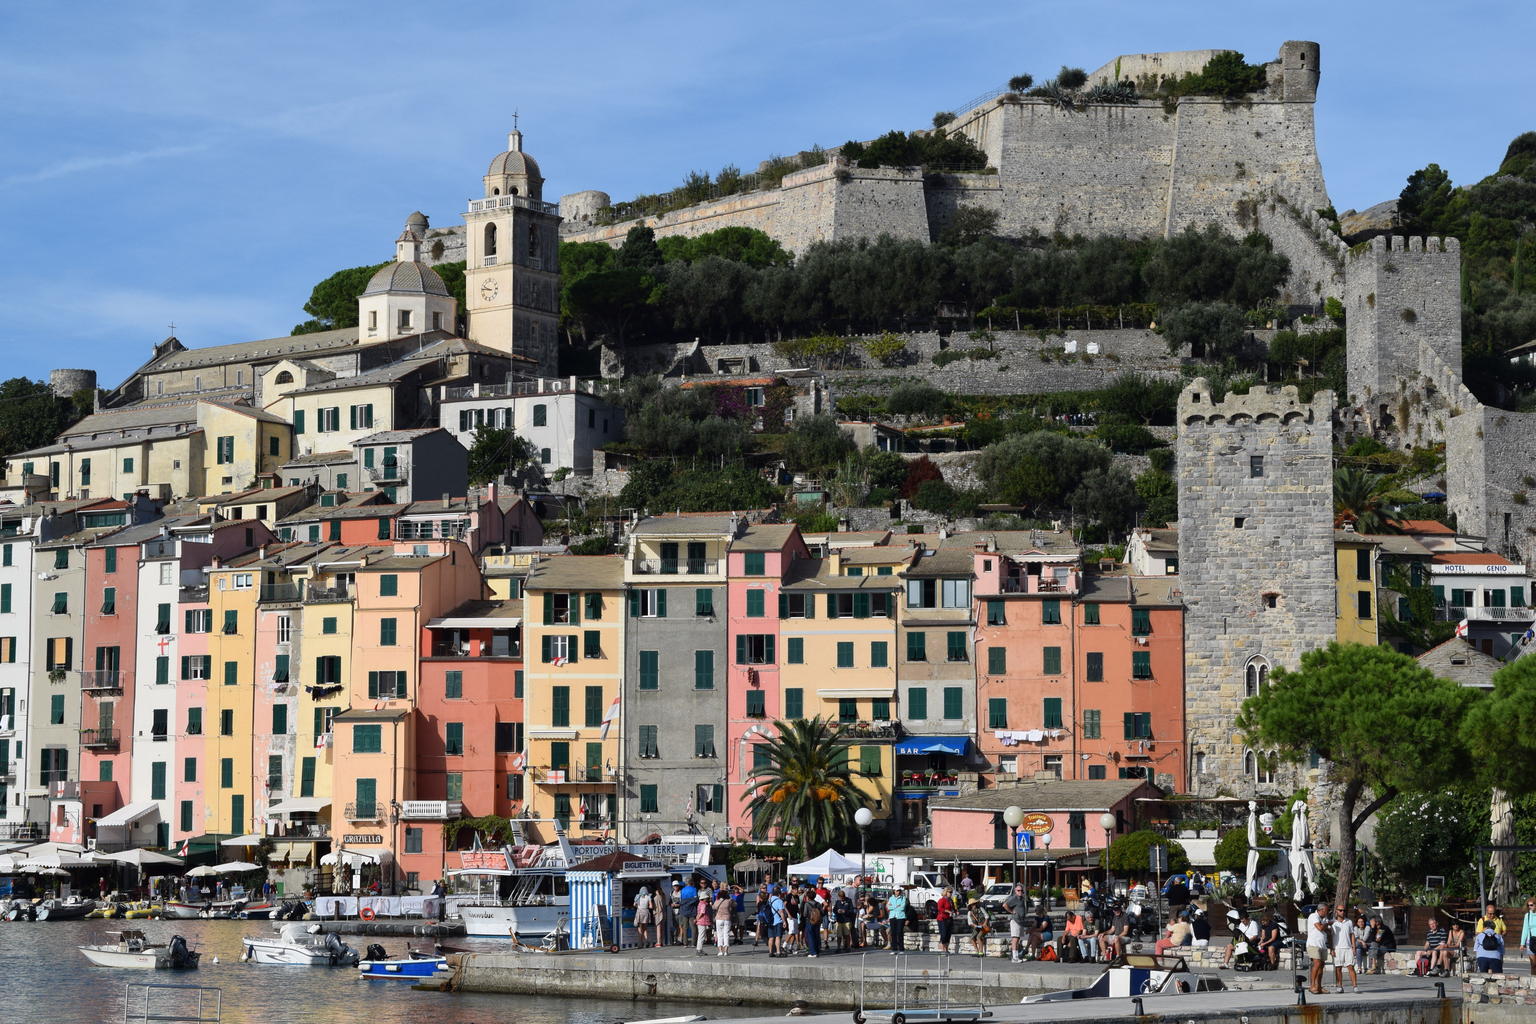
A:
(301, 945)
(414, 966)
(1139, 974)
(64, 910)
(130, 949)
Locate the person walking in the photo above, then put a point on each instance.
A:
(1017, 906)
(725, 911)
(812, 916)
(1491, 914)
(1528, 933)
(775, 929)
(976, 915)
(688, 907)
(896, 911)
(643, 911)
(944, 916)
(1319, 932)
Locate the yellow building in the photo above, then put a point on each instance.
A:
(838, 638)
(1356, 578)
(574, 670)
(229, 715)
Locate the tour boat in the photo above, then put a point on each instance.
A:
(300, 945)
(131, 950)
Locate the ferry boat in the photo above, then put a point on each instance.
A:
(519, 891)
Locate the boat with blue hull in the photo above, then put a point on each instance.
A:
(416, 967)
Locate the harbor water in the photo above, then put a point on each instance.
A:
(45, 980)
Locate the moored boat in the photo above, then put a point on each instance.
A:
(64, 910)
(300, 945)
(414, 966)
(131, 950)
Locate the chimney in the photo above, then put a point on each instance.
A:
(216, 562)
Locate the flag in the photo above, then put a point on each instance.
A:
(1461, 627)
(611, 717)
(584, 811)
(559, 660)
(519, 762)
(186, 848)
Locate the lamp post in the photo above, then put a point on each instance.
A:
(1107, 822)
(1046, 869)
(862, 818)
(1013, 817)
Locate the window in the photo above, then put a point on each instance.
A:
(847, 709)
(558, 649)
(388, 685)
(5, 596)
(1363, 604)
(650, 670)
(1260, 767)
(844, 654)
(61, 652)
(917, 646)
(703, 741)
(794, 650)
(544, 457)
(387, 632)
(703, 670)
(797, 606)
(1094, 664)
(592, 605)
(413, 839)
(56, 709)
(1050, 612)
(1051, 712)
(1095, 772)
(1090, 614)
(648, 604)
(560, 707)
(360, 416)
(1256, 677)
(997, 661)
(226, 451)
(109, 600)
(7, 655)
(61, 603)
(453, 739)
(194, 721)
(227, 772)
(163, 615)
(704, 603)
(227, 722)
(1141, 622)
(1092, 723)
(231, 622)
(328, 625)
(754, 604)
(540, 415)
(956, 593)
(997, 713)
(755, 649)
(1138, 725)
(955, 647)
(367, 739)
(1255, 466)
(128, 465)
(996, 612)
(648, 748)
(279, 719)
(1052, 661)
(648, 802)
(869, 762)
(591, 643)
(563, 810)
(754, 563)
(593, 706)
(879, 654)
(922, 593)
(231, 673)
(917, 702)
(859, 605)
(110, 558)
(389, 584)
(1141, 664)
(559, 755)
(756, 704)
(794, 703)
(954, 702)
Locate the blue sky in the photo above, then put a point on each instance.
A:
(205, 164)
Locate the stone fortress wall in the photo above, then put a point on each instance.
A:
(1255, 554)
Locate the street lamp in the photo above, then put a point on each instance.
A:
(1046, 869)
(862, 818)
(1013, 817)
(1107, 822)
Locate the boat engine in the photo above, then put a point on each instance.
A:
(339, 950)
(181, 956)
(376, 952)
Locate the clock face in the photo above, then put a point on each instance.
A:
(488, 290)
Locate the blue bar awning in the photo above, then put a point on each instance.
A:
(957, 745)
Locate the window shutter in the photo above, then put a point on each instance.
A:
(861, 606)
(1130, 725)
(661, 604)
(741, 649)
(768, 657)
(831, 606)
(544, 648)
(298, 421)
(703, 670)
(634, 604)
(373, 686)
(573, 601)
(186, 671)
(549, 609)
(783, 606)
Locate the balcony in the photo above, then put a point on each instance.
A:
(364, 812)
(676, 566)
(192, 595)
(449, 650)
(1038, 584)
(869, 731)
(430, 810)
(98, 739)
(507, 202)
(20, 831)
(279, 593)
(159, 549)
(61, 789)
(1456, 612)
(389, 470)
(103, 682)
(328, 595)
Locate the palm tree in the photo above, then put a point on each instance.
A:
(1361, 497)
(806, 786)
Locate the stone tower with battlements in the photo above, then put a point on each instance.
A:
(1255, 478)
(1399, 293)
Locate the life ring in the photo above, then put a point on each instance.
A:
(367, 914)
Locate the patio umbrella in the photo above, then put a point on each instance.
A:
(57, 860)
(141, 858)
(1303, 877)
(245, 840)
(203, 871)
(234, 867)
(1253, 843)
(51, 872)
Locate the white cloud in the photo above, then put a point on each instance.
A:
(81, 164)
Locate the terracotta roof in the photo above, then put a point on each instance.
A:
(1426, 526)
(764, 537)
(743, 382)
(1045, 795)
(1468, 558)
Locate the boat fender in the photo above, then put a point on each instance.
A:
(248, 953)
(367, 914)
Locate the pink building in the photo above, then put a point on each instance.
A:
(974, 821)
(755, 568)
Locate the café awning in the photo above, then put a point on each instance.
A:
(298, 805)
(957, 745)
(128, 814)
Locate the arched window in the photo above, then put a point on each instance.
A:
(1250, 764)
(495, 191)
(1265, 775)
(512, 191)
(1257, 677)
(283, 378)
(490, 240)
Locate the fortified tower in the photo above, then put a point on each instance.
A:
(1399, 294)
(1255, 561)
(512, 277)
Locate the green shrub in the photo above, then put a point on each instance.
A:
(951, 355)
(1232, 852)
(1128, 854)
(916, 399)
(1127, 438)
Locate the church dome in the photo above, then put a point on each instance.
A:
(514, 161)
(407, 278)
(417, 220)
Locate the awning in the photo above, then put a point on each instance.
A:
(298, 805)
(353, 858)
(957, 745)
(129, 814)
(475, 622)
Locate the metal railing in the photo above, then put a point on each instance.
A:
(389, 470)
(324, 595)
(1038, 585)
(103, 681)
(19, 830)
(278, 592)
(676, 566)
(192, 595)
(869, 731)
(100, 739)
(159, 549)
(364, 812)
(1457, 612)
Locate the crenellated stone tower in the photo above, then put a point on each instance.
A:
(1255, 561)
(1400, 293)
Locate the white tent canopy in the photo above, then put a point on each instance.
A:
(245, 840)
(355, 858)
(298, 805)
(828, 863)
(142, 858)
(234, 867)
(203, 871)
(128, 814)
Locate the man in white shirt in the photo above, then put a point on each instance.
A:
(1319, 938)
(1244, 930)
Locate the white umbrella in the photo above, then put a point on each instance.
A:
(141, 858)
(245, 840)
(1253, 843)
(52, 872)
(1303, 877)
(234, 867)
(56, 860)
(203, 871)
(828, 863)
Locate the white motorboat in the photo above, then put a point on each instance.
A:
(130, 949)
(301, 945)
(1138, 974)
